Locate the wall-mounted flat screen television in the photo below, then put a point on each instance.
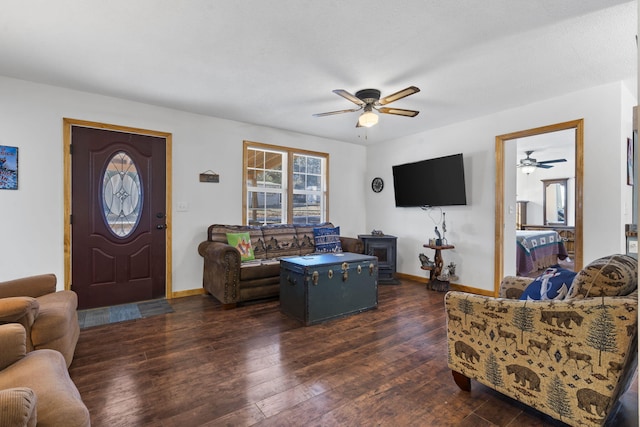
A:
(431, 182)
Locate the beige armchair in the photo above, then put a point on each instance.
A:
(50, 318)
(35, 387)
(571, 359)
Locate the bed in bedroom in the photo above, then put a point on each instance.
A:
(538, 249)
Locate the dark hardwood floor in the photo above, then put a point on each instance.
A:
(204, 366)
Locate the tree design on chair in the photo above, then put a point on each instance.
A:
(544, 353)
(558, 398)
(601, 336)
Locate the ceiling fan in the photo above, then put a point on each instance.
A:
(529, 164)
(369, 101)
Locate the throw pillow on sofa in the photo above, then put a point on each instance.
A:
(242, 242)
(554, 283)
(327, 240)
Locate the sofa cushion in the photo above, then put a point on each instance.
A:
(218, 233)
(18, 407)
(613, 275)
(242, 242)
(554, 283)
(251, 271)
(57, 325)
(327, 240)
(280, 240)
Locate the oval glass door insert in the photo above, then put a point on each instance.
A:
(121, 194)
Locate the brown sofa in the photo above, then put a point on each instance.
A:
(49, 317)
(35, 387)
(231, 281)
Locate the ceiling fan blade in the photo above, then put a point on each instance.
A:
(346, 95)
(540, 165)
(399, 95)
(552, 161)
(399, 111)
(331, 113)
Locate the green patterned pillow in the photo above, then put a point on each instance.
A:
(613, 275)
(242, 242)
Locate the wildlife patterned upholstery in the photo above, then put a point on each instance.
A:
(570, 359)
(612, 275)
(513, 287)
(280, 240)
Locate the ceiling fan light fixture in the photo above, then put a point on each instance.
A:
(369, 100)
(368, 118)
(527, 169)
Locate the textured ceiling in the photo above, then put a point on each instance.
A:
(275, 63)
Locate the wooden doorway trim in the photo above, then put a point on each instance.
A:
(501, 140)
(67, 123)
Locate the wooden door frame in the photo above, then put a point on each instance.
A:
(67, 123)
(501, 140)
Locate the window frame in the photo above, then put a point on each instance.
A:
(288, 190)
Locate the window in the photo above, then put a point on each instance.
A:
(283, 185)
(121, 194)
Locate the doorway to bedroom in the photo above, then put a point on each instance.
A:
(545, 202)
(507, 166)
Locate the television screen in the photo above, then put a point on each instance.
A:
(432, 182)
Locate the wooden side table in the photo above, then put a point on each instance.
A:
(436, 270)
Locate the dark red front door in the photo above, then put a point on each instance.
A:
(118, 226)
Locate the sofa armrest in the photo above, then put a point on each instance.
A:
(13, 344)
(534, 351)
(221, 276)
(19, 310)
(33, 286)
(22, 310)
(18, 407)
(352, 244)
(513, 286)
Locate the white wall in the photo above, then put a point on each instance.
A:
(607, 120)
(627, 102)
(31, 218)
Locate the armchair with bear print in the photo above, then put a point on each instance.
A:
(571, 358)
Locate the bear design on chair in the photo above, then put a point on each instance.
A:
(571, 359)
(469, 353)
(588, 398)
(524, 374)
(563, 318)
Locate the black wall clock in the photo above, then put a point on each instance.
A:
(377, 185)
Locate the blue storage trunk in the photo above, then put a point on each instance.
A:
(316, 288)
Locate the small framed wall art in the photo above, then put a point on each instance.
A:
(8, 168)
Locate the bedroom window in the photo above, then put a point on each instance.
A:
(283, 185)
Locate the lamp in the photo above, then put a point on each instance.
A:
(368, 118)
(527, 169)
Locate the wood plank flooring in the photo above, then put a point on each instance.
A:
(205, 366)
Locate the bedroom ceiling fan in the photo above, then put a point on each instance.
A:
(529, 164)
(369, 101)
